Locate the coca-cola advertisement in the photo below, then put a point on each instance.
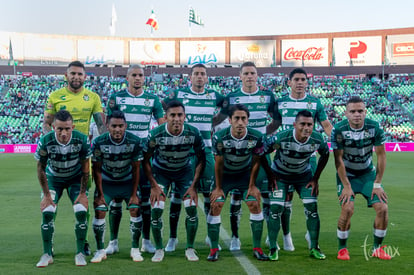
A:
(305, 52)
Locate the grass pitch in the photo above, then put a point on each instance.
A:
(21, 246)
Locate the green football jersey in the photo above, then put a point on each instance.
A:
(288, 108)
(259, 103)
(117, 158)
(63, 161)
(172, 153)
(138, 110)
(199, 109)
(357, 144)
(292, 158)
(237, 153)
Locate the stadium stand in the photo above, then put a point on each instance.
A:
(389, 102)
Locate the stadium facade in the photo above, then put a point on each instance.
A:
(375, 52)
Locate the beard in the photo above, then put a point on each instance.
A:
(76, 84)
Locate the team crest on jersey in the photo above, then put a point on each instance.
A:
(225, 103)
(251, 144)
(147, 102)
(97, 153)
(42, 153)
(208, 96)
(262, 99)
(63, 97)
(313, 146)
(111, 103)
(152, 144)
(219, 146)
(76, 147)
(339, 138)
(309, 105)
(86, 97)
(366, 134)
(171, 95)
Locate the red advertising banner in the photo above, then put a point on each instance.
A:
(403, 49)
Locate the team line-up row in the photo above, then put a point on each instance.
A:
(181, 156)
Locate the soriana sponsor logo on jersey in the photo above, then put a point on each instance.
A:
(403, 49)
(357, 51)
(307, 52)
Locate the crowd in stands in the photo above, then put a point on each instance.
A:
(389, 102)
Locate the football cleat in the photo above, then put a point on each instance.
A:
(158, 256)
(258, 254)
(317, 254)
(45, 260)
(171, 245)
(235, 244)
(80, 259)
(274, 254)
(288, 243)
(381, 254)
(191, 255)
(214, 254)
(343, 254)
(147, 246)
(136, 255)
(112, 247)
(99, 256)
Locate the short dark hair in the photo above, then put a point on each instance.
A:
(247, 64)
(133, 67)
(199, 65)
(238, 107)
(354, 99)
(63, 115)
(76, 64)
(173, 104)
(304, 113)
(297, 71)
(116, 114)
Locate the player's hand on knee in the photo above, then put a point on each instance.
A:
(254, 192)
(192, 193)
(133, 200)
(315, 187)
(156, 193)
(346, 195)
(98, 201)
(46, 201)
(216, 194)
(82, 199)
(380, 194)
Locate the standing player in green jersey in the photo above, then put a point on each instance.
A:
(116, 162)
(287, 109)
(238, 150)
(200, 104)
(291, 166)
(138, 106)
(353, 140)
(261, 105)
(80, 102)
(170, 146)
(63, 163)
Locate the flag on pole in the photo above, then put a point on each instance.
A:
(11, 58)
(194, 18)
(152, 21)
(114, 18)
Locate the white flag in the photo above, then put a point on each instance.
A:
(113, 21)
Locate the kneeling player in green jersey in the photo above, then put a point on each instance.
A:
(63, 163)
(353, 140)
(238, 151)
(116, 160)
(170, 146)
(287, 108)
(291, 166)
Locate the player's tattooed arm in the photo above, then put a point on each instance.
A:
(47, 123)
(41, 174)
(99, 120)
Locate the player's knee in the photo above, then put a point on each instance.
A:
(276, 211)
(254, 206)
(381, 209)
(216, 208)
(115, 208)
(49, 209)
(134, 212)
(311, 210)
(79, 208)
(348, 209)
